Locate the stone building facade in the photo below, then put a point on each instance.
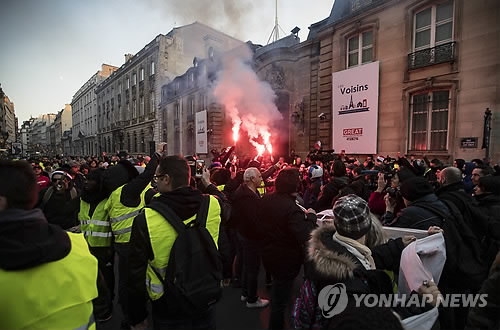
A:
(7, 120)
(439, 71)
(39, 135)
(62, 123)
(439, 68)
(128, 101)
(84, 113)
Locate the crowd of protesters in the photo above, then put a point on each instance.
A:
(263, 211)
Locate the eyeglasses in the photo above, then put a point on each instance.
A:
(156, 177)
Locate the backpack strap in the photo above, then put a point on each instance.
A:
(46, 197)
(169, 215)
(201, 216)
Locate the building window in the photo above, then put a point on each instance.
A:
(127, 112)
(177, 87)
(128, 82)
(429, 114)
(176, 112)
(142, 74)
(141, 106)
(134, 79)
(152, 102)
(152, 68)
(135, 142)
(191, 107)
(119, 88)
(433, 26)
(360, 49)
(134, 109)
(143, 142)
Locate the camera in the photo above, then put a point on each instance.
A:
(323, 156)
(393, 192)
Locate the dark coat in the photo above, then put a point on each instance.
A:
(285, 229)
(489, 204)
(244, 213)
(488, 317)
(417, 217)
(330, 190)
(311, 193)
(468, 207)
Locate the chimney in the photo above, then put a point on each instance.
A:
(128, 57)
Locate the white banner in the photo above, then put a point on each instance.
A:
(355, 109)
(201, 132)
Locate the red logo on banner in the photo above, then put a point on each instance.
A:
(352, 131)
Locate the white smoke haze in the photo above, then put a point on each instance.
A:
(247, 100)
(229, 16)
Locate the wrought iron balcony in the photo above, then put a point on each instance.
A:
(430, 56)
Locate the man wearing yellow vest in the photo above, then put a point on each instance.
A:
(129, 193)
(96, 228)
(153, 237)
(47, 276)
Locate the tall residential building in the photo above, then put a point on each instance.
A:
(62, 123)
(24, 135)
(128, 116)
(40, 144)
(84, 113)
(7, 121)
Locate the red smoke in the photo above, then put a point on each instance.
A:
(248, 101)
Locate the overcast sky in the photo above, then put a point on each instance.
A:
(50, 48)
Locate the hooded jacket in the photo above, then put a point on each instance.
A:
(27, 240)
(329, 262)
(124, 173)
(185, 202)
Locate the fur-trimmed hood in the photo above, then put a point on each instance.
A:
(330, 259)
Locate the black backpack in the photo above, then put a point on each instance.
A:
(194, 271)
(464, 267)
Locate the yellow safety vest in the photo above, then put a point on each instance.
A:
(121, 216)
(54, 295)
(162, 236)
(221, 187)
(262, 188)
(97, 230)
